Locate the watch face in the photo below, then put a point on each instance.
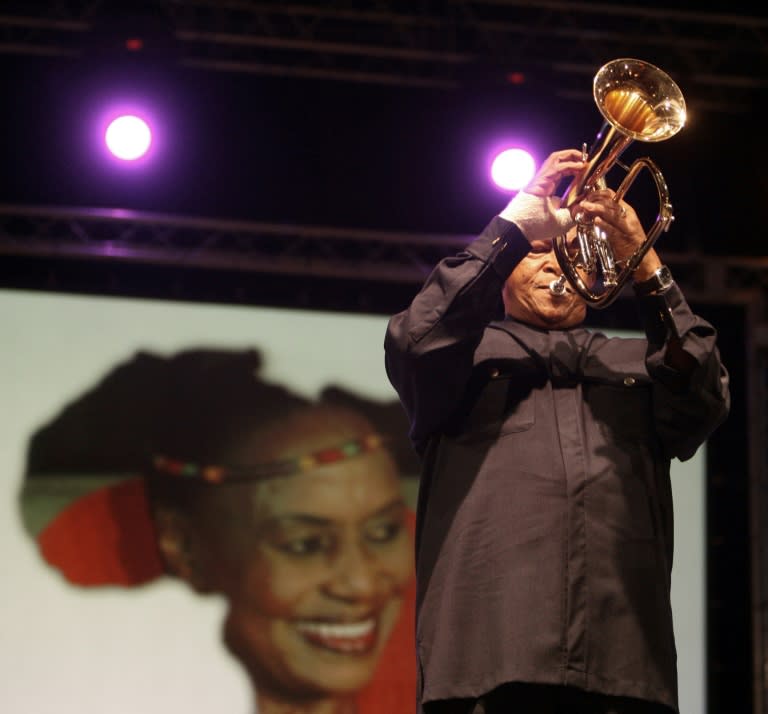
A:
(657, 283)
(664, 277)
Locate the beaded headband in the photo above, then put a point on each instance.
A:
(288, 467)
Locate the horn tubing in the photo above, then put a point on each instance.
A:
(638, 101)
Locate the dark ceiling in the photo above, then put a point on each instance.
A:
(357, 128)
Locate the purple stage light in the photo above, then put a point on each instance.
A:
(512, 169)
(128, 137)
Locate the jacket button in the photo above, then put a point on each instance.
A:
(629, 381)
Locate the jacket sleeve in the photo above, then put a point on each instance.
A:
(429, 347)
(690, 405)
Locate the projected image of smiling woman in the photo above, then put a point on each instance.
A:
(313, 557)
(290, 508)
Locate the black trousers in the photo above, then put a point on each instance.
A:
(544, 699)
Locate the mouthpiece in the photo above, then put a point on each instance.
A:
(557, 287)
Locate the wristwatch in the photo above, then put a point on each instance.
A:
(657, 284)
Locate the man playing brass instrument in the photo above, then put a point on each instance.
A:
(544, 532)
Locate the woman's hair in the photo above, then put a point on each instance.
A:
(191, 406)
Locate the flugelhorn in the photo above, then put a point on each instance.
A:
(638, 101)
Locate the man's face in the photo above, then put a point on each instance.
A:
(527, 296)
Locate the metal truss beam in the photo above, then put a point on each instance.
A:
(122, 236)
(719, 58)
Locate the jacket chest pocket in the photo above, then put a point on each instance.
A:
(622, 410)
(497, 405)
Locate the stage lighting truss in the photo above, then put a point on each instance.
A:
(214, 244)
(721, 58)
(122, 236)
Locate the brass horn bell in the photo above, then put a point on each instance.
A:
(638, 102)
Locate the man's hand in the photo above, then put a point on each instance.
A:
(535, 209)
(622, 228)
(557, 166)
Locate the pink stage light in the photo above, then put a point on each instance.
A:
(128, 137)
(512, 169)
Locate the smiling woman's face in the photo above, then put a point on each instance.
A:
(314, 565)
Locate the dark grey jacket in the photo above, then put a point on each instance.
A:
(544, 532)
